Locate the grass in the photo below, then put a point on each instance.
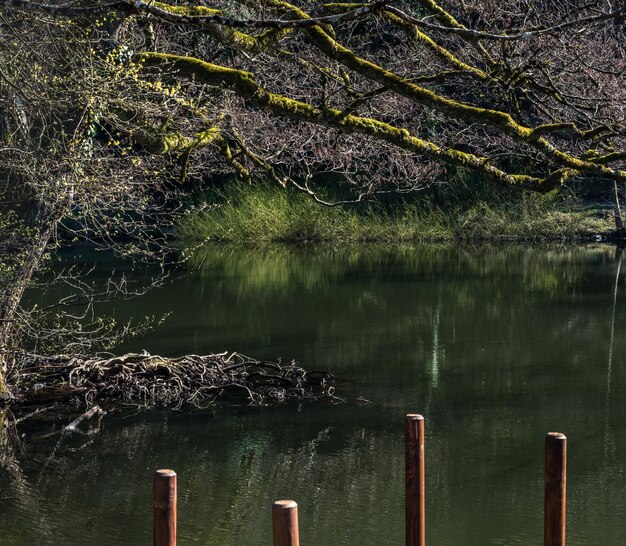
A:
(262, 214)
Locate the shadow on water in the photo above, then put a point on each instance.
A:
(495, 345)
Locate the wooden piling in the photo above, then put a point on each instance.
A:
(555, 489)
(164, 508)
(415, 489)
(285, 523)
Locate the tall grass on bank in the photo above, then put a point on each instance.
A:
(264, 214)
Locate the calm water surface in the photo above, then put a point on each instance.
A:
(495, 346)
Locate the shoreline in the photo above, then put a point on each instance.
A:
(266, 216)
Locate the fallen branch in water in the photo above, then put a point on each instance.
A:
(151, 380)
(94, 411)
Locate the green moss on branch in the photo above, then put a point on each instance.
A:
(245, 85)
(160, 143)
(455, 109)
(225, 34)
(419, 36)
(5, 393)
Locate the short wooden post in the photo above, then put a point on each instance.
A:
(555, 489)
(164, 508)
(415, 492)
(285, 523)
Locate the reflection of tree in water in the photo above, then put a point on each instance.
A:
(514, 357)
(230, 470)
(365, 298)
(609, 442)
(344, 467)
(17, 487)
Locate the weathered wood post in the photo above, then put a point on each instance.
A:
(285, 523)
(415, 492)
(164, 508)
(555, 489)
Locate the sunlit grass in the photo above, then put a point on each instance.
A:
(265, 214)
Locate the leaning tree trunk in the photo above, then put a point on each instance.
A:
(11, 301)
(619, 218)
(5, 334)
(5, 393)
(3, 414)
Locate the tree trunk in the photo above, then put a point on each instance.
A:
(11, 301)
(5, 393)
(619, 218)
(3, 414)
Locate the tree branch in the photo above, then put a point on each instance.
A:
(244, 84)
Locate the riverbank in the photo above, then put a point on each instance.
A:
(265, 215)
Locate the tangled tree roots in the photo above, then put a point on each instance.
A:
(148, 380)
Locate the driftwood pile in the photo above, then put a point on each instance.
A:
(150, 380)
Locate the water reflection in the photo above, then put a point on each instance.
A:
(495, 345)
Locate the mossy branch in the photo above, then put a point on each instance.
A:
(244, 84)
(455, 109)
(211, 20)
(214, 22)
(523, 34)
(609, 158)
(190, 15)
(417, 35)
(5, 393)
(328, 45)
(161, 143)
(569, 128)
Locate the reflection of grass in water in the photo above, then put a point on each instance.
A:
(290, 269)
(295, 268)
(374, 294)
(265, 214)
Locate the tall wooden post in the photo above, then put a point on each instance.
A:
(285, 523)
(415, 492)
(164, 508)
(555, 489)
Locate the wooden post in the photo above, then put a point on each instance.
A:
(415, 492)
(285, 523)
(164, 508)
(555, 488)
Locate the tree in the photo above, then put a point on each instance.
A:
(113, 108)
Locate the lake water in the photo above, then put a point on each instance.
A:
(495, 346)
